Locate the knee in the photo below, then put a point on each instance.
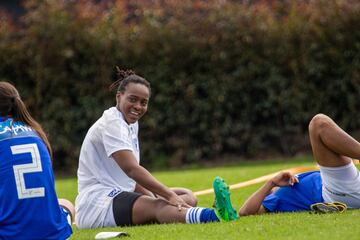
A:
(193, 201)
(318, 123)
(187, 195)
(190, 198)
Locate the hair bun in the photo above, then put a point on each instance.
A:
(122, 74)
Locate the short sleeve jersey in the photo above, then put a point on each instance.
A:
(100, 178)
(29, 207)
(298, 197)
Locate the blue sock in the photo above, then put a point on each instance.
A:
(208, 215)
(201, 215)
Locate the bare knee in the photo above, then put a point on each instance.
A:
(191, 199)
(319, 123)
(187, 195)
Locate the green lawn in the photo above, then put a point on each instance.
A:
(270, 226)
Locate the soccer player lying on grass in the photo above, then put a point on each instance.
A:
(337, 181)
(114, 189)
(29, 208)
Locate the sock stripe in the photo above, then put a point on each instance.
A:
(187, 220)
(195, 212)
(190, 215)
(198, 214)
(193, 215)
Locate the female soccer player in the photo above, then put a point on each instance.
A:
(337, 181)
(114, 189)
(29, 208)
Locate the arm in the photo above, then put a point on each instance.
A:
(127, 162)
(253, 204)
(141, 189)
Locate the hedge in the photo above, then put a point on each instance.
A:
(228, 77)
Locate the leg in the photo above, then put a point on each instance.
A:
(332, 146)
(334, 149)
(187, 195)
(148, 210)
(69, 207)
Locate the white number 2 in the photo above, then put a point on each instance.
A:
(21, 169)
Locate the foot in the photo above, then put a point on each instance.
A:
(222, 204)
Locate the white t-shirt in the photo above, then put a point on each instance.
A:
(100, 178)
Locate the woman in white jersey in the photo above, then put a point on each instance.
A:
(114, 189)
(337, 181)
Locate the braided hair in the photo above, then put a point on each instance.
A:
(125, 77)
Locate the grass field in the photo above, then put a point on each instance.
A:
(270, 226)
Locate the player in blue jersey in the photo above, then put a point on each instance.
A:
(337, 181)
(29, 208)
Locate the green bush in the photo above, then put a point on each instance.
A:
(227, 78)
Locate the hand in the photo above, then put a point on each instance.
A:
(177, 201)
(284, 179)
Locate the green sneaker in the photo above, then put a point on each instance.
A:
(223, 208)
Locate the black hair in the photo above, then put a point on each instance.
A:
(125, 77)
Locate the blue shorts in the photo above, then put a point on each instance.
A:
(298, 197)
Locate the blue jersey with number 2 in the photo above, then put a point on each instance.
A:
(29, 207)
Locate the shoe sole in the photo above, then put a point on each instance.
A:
(222, 195)
(340, 206)
(328, 207)
(323, 208)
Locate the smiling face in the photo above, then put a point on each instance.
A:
(133, 102)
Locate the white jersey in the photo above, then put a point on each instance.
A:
(100, 178)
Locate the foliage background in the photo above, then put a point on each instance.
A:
(237, 78)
